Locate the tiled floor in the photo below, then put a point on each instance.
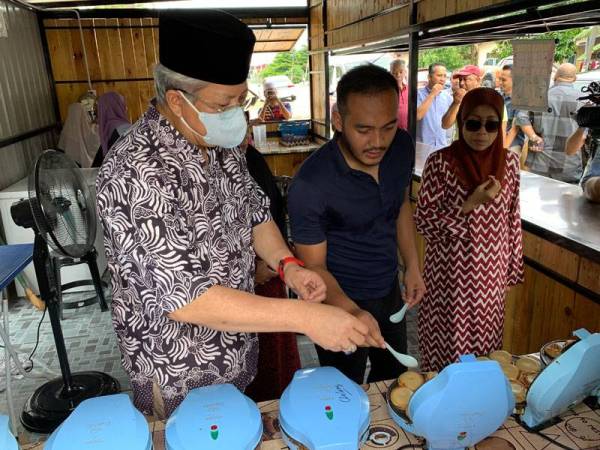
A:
(91, 345)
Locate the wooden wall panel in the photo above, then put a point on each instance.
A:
(91, 50)
(381, 27)
(558, 259)
(59, 45)
(586, 314)
(365, 29)
(589, 275)
(117, 49)
(552, 316)
(143, 68)
(319, 88)
(128, 52)
(150, 39)
(541, 311)
(342, 12)
(432, 9)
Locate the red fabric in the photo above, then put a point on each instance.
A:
(470, 260)
(474, 167)
(278, 356)
(403, 108)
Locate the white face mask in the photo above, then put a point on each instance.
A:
(226, 129)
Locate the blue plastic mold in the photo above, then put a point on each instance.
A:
(214, 417)
(103, 423)
(569, 379)
(7, 440)
(323, 409)
(463, 405)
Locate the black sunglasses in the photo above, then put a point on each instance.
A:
(475, 125)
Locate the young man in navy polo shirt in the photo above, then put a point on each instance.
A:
(350, 216)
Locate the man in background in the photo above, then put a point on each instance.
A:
(432, 103)
(400, 72)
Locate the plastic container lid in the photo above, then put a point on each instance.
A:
(323, 409)
(103, 423)
(7, 440)
(296, 129)
(214, 417)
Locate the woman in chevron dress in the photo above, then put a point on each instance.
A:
(468, 213)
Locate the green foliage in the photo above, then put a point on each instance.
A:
(503, 50)
(565, 47)
(294, 64)
(583, 34)
(451, 57)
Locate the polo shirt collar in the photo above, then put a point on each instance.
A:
(340, 161)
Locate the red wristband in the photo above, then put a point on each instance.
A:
(284, 261)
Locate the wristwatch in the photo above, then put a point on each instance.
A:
(283, 262)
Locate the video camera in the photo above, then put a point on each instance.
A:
(588, 116)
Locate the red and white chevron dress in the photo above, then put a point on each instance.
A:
(470, 261)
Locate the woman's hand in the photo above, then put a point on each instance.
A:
(482, 194)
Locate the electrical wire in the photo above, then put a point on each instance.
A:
(37, 341)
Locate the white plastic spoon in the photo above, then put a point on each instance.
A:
(405, 360)
(397, 317)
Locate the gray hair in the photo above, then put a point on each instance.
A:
(165, 79)
(399, 63)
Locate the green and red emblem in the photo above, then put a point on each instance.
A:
(214, 432)
(462, 435)
(329, 412)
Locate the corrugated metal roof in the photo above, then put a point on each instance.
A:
(25, 92)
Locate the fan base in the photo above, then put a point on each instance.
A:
(50, 405)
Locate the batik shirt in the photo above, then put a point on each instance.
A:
(174, 226)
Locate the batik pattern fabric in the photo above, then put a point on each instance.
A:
(176, 224)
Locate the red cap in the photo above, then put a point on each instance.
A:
(467, 70)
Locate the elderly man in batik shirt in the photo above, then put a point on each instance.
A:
(183, 221)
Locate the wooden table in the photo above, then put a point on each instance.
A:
(285, 161)
(579, 430)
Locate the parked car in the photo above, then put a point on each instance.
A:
(585, 78)
(489, 65)
(285, 87)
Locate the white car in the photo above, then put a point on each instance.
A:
(285, 87)
(584, 79)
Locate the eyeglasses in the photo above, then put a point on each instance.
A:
(473, 125)
(245, 101)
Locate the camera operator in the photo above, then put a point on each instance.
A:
(588, 121)
(590, 181)
(274, 109)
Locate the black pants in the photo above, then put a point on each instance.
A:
(383, 365)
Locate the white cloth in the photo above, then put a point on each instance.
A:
(79, 137)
